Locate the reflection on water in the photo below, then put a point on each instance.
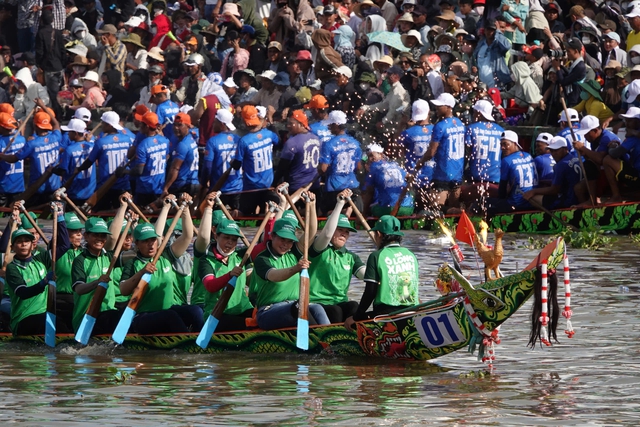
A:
(593, 379)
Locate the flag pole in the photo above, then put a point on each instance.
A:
(475, 255)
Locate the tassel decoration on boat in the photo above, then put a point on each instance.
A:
(567, 313)
(490, 339)
(544, 297)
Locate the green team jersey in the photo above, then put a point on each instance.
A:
(182, 269)
(198, 293)
(395, 269)
(37, 251)
(27, 273)
(159, 295)
(116, 275)
(63, 271)
(88, 268)
(239, 302)
(330, 274)
(273, 292)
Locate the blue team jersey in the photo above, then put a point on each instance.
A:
(166, 114)
(566, 134)
(544, 166)
(187, 151)
(84, 184)
(322, 131)
(220, 151)
(388, 180)
(152, 153)
(42, 151)
(566, 174)
(605, 138)
(342, 153)
(110, 151)
(519, 171)
(255, 151)
(303, 151)
(449, 134)
(632, 145)
(416, 140)
(483, 138)
(12, 174)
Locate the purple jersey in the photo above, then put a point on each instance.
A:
(303, 151)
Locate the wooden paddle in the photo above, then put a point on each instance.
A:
(216, 187)
(19, 131)
(50, 322)
(32, 222)
(403, 194)
(104, 188)
(138, 294)
(284, 190)
(33, 188)
(62, 192)
(363, 221)
(211, 324)
(226, 213)
(137, 210)
(302, 335)
(89, 319)
(573, 136)
(548, 212)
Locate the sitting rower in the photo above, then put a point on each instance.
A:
(277, 276)
(89, 272)
(544, 160)
(27, 278)
(126, 253)
(157, 312)
(332, 265)
(200, 246)
(64, 282)
(391, 277)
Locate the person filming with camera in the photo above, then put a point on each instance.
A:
(573, 72)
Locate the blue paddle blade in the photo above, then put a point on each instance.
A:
(85, 329)
(50, 330)
(302, 341)
(207, 331)
(123, 325)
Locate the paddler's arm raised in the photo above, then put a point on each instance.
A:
(324, 237)
(162, 216)
(182, 243)
(204, 232)
(116, 225)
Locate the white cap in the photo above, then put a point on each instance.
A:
(633, 90)
(268, 74)
(635, 48)
(485, 108)
(230, 83)
(186, 108)
(262, 111)
(632, 113)
(444, 99)
(510, 135)
(75, 125)
(558, 142)
(225, 116)
(134, 22)
(544, 137)
(375, 148)
(82, 114)
(336, 117)
(408, 2)
(613, 36)
(344, 70)
(587, 124)
(419, 110)
(316, 85)
(78, 49)
(412, 33)
(634, 13)
(92, 76)
(573, 115)
(111, 118)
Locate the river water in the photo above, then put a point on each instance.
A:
(592, 379)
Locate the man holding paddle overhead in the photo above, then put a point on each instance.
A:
(11, 174)
(74, 155)
(156, 312)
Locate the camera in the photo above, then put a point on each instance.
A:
(556, 53)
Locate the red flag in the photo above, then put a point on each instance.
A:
(465, 232)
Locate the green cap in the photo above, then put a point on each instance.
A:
(178, 225)
(217, 216)
(285, 229)
(144, 231)
(72, 221)
(21, 232)
(96, 225)
(388, 224)
(25, 222)
(227, 226)
(343, 222)
(291, 217)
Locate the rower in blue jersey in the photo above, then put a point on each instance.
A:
(110, 151)
(565, 131)
(166, 109)
(517, 175)
(255, 156)
(566, 189)
(83, 114)
(319, 107)
(416, 140)
(42, 150)
(340, 157)
(11, 174)
(383, 185)
(182, 176)
(218, 155)
(482, 142)
(73, 156)
(544, 160)
(150, 162)
(447, 149)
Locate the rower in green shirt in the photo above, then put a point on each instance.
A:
(126, 254)
(200, 246)
(64, 292)
(391, 277)
(332, 265)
